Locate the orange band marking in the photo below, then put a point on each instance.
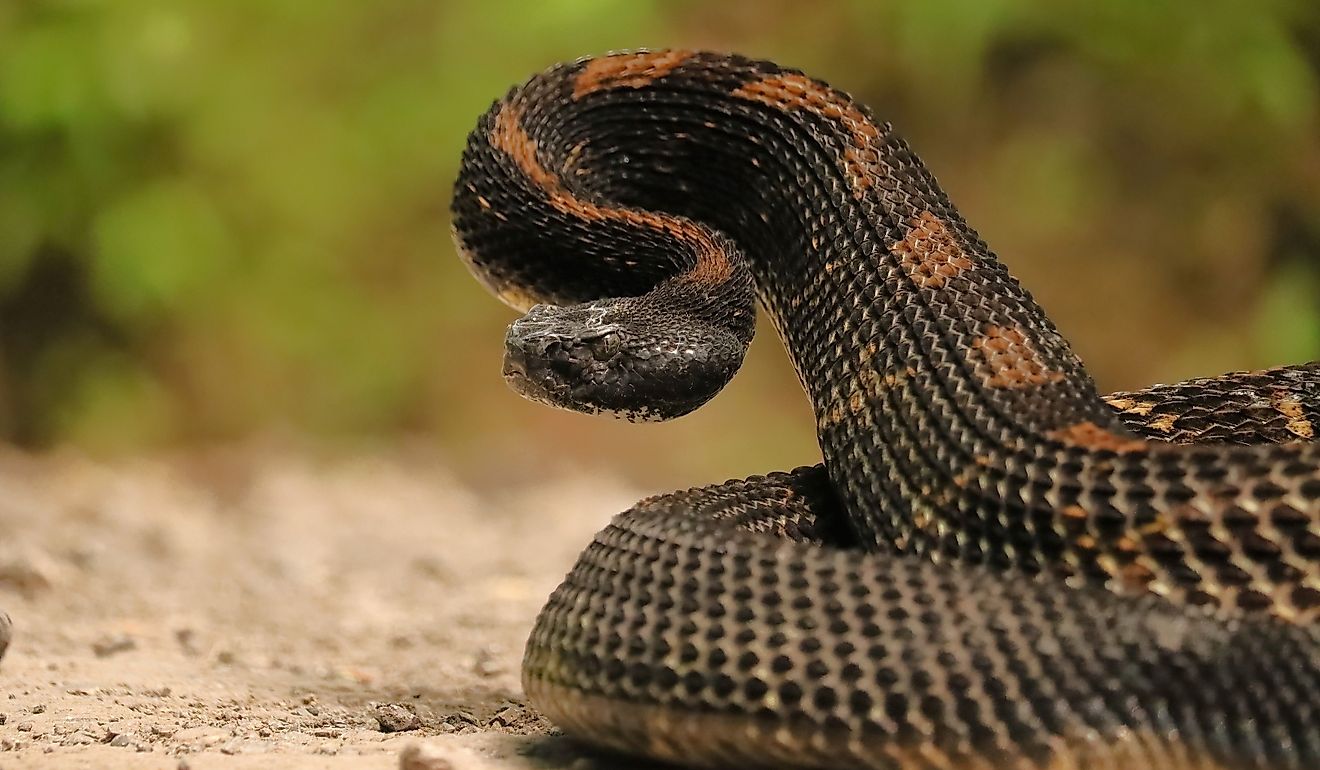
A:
(634, 70)
(788, 92)
(509, 136)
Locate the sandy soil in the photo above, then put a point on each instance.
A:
(278, 609)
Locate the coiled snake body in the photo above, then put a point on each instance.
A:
(993, 568)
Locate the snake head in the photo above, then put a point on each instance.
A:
(618, 357)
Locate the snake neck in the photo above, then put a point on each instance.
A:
(924, 360)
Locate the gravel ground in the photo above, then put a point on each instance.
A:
(269, 608)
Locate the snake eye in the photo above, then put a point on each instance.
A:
(607, 346)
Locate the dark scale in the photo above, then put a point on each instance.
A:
(993, 567)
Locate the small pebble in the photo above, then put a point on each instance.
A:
(420, 756)
(489, 662)
(187, 639)
(110, 645)
(394, 718)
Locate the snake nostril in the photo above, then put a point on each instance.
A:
(514, 367)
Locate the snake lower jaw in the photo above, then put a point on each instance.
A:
(546, 384)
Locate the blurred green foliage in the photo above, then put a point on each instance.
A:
(223, 217)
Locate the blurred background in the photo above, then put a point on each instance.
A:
(228, 219)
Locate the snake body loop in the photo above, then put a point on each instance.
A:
(995, 567)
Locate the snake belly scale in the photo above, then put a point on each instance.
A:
(993, 567)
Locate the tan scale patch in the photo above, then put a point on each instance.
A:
(1164, 423)
(929, 253)
(633, 70)
(1130, 405)
(509, 137)
(1011, 359)
(1074, 512)
(1128, 749)
(789, 92)
(516, 297)
(1088, 435)
(1290, 407)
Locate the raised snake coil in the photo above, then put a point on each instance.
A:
(994, 567)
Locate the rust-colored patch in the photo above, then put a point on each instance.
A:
(1011, 359)
(509, 136)
(929, 253)
(789, 92)
(1135, 576)
(1289, 406)
(713, 265)
(1088, 435)
(1125, 544)
(629, 70)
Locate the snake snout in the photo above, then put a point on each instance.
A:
(554, 355)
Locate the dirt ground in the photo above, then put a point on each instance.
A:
(275, 608)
